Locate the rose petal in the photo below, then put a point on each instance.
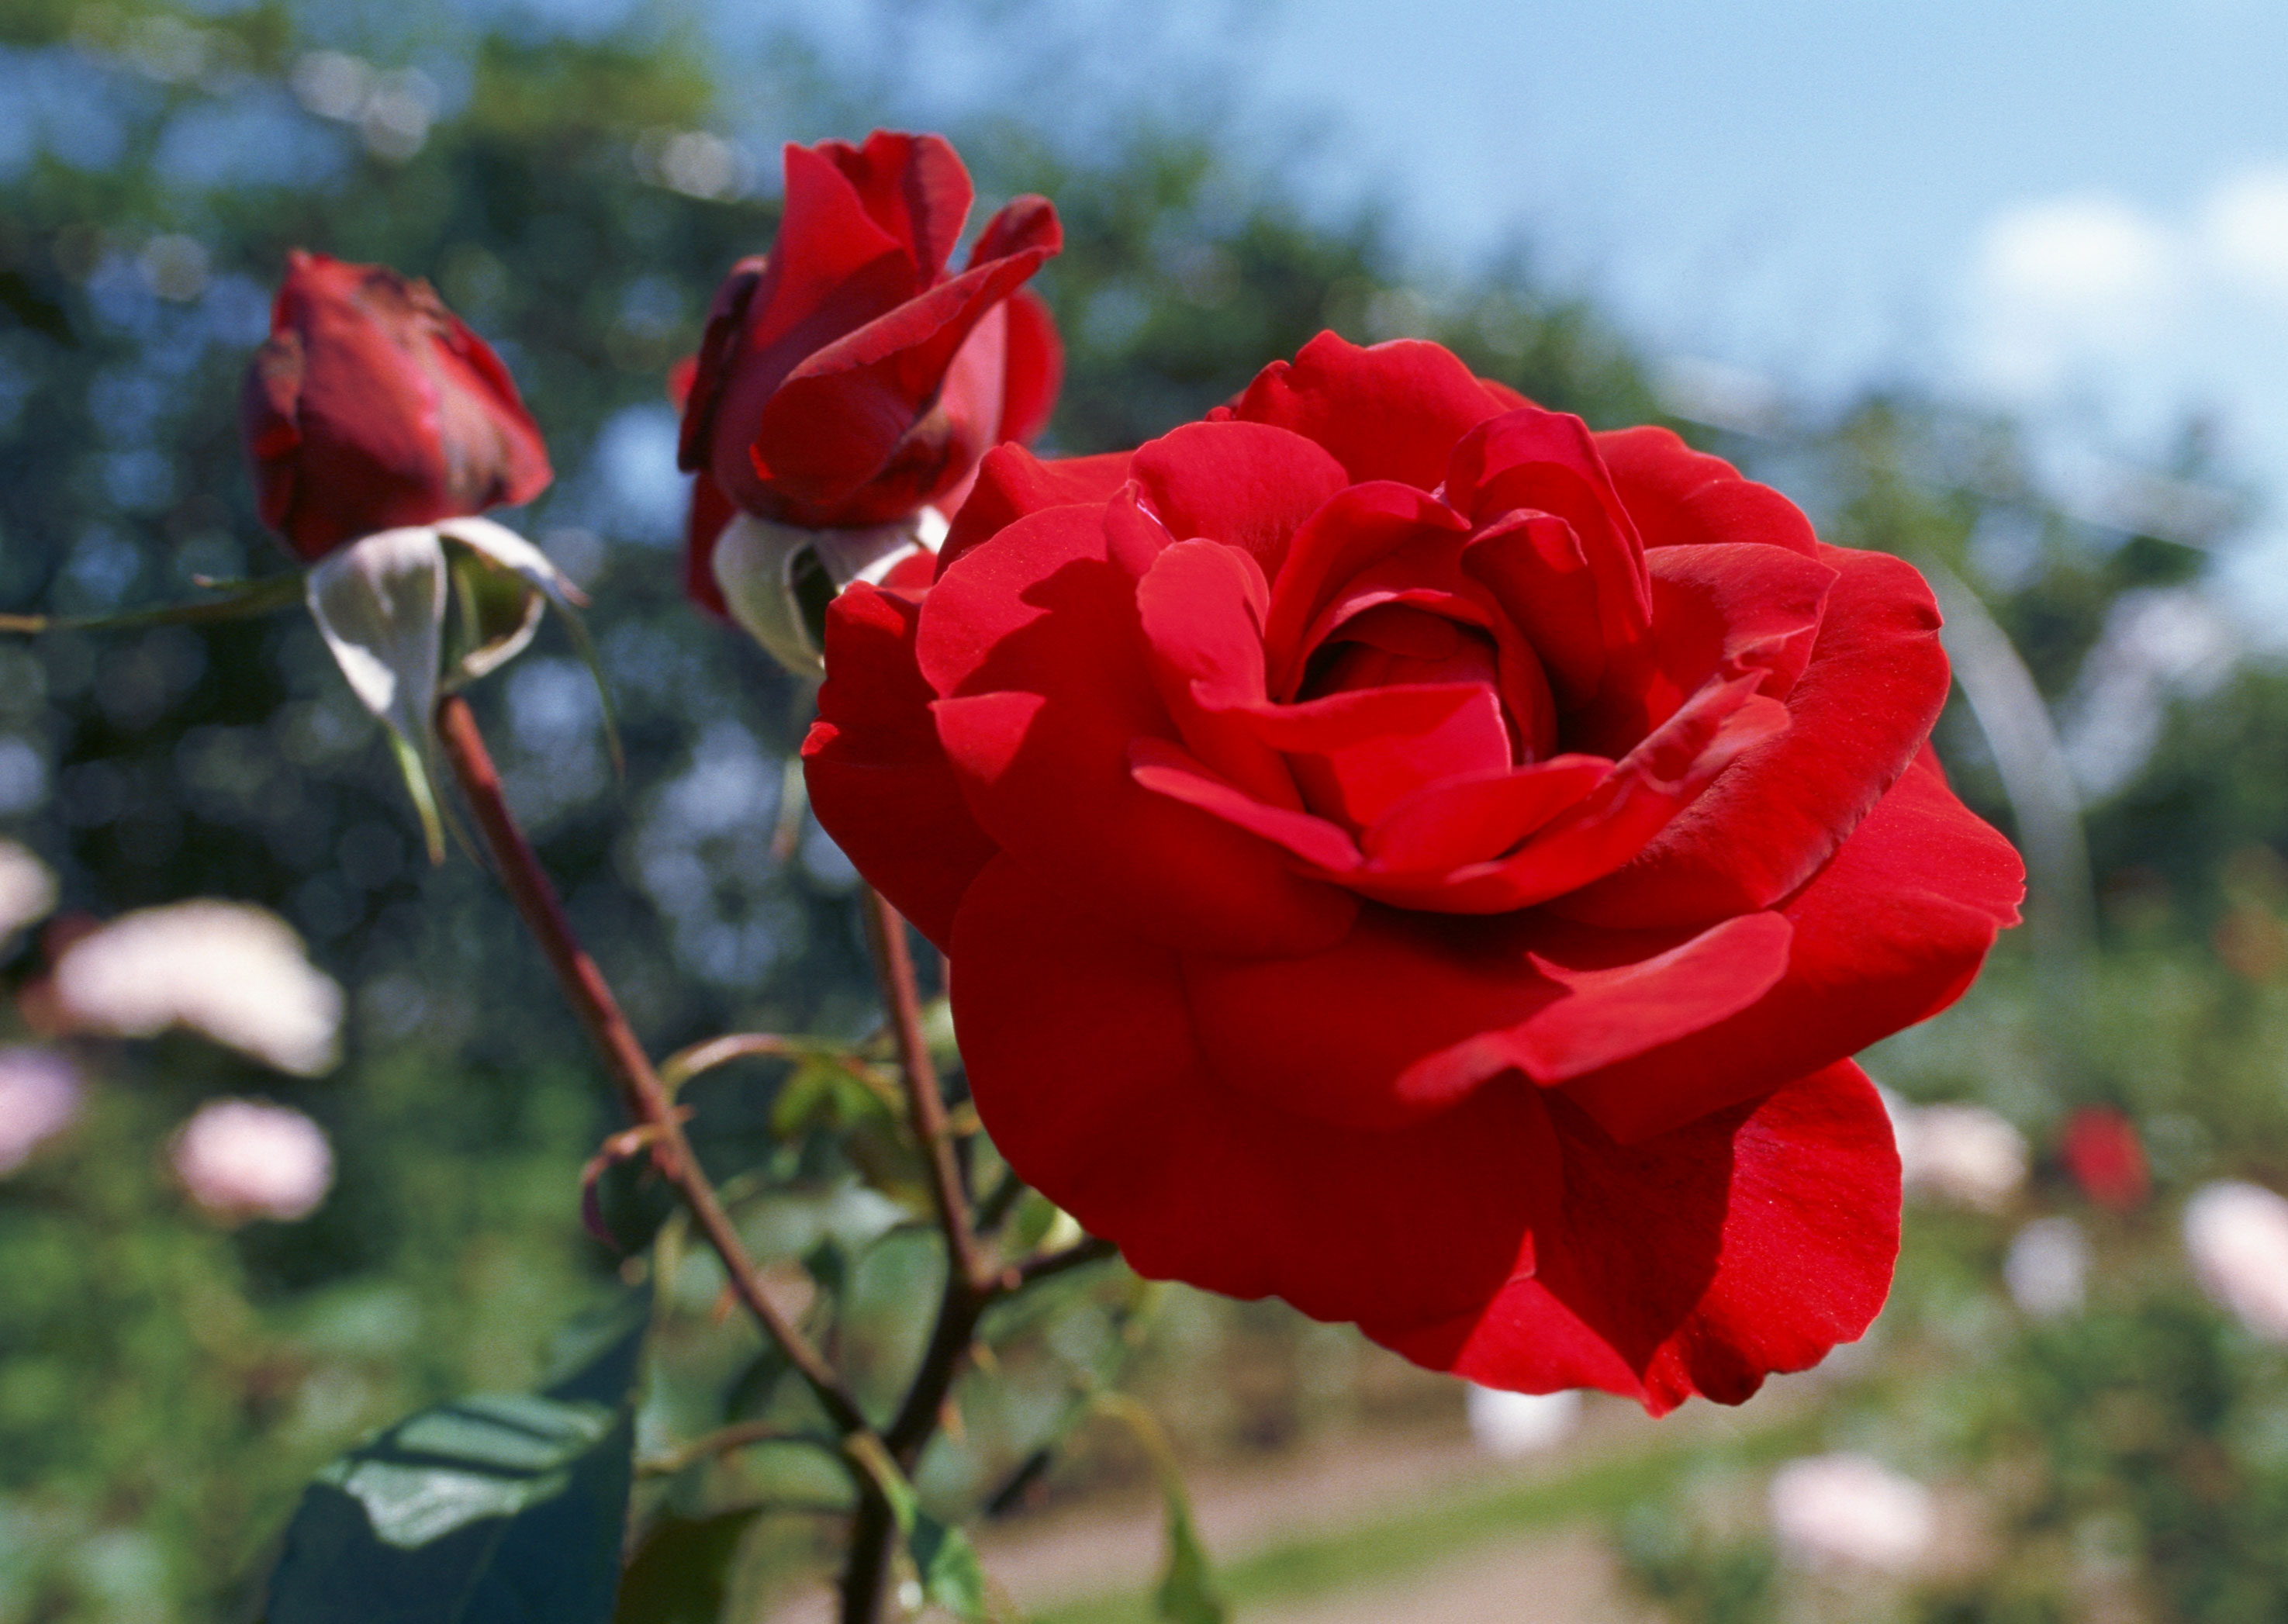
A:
(1643, 792)
(1533, 564)
(1336, 1036)
(1391, 412)
(838, 417)
(1478, 818)
(1649, 994)
(879, 779)
(1354, 528)
(913, 186)
(1860, 710)
(1356, 754)
(1036, 367)
(1164, 769)
(1681, 497)
(1697, 1262)
(1084, 1066)
(702, 527)
(1890, 932)
(1201, 607)
(1547, 462)
(1022, 225)
(1730, 609)
(1035, 644)
(1012, 482)
(1240, 483)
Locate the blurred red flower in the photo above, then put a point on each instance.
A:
(846, 379)
(2101, 1148)
(1404, 852)
(372, 407)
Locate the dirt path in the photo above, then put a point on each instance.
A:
(1062, 1557)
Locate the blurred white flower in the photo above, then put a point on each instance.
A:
(1849, 1511)
(1961, 1153)
(2238, 1236)
(1512, 1424)
(240, 1158)
(235, 972)
(39, 1096)
(28, 890)
(2047, 1269)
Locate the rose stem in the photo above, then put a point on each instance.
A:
(973, 1281)
(893, 961)
(641, 1090)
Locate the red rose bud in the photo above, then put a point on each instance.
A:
(371, 406)
(1404, 852)
(2101, 1150)
(846, 380)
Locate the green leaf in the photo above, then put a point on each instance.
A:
(242, 599)
(501, 1507)
(1187, 1593)
(950, 1573)
(682, 1570)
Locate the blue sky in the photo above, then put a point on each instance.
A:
(2078, 211)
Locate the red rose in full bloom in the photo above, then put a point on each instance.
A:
(371, 406)
(846, 381)
(1404, 852)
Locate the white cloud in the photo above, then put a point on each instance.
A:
(2244, 230)
(2090, 253)
(2068, 279)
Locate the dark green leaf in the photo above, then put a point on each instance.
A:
(758, 1384)
(495, 1508)
(950, 1573)
(632, 1199)
(829, 1265)
(679, 1572)
(35, 309)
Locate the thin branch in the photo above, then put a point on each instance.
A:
(1049, 1265)
(894, 964)
(998, 1201)
(721, 1441)
(685, 1064)
(641, 1093)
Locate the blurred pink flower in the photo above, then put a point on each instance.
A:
(2048, 1268)
(28, 890)
(2238, 1236)
(240, 1158)
(1509, 1425)
(1963, 1154)
(231, 971)
(1850, 1510)
(39, 1096)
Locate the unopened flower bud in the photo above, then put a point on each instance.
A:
(372, 407)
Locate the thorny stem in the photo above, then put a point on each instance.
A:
(894, 964)
(641, 1093)
(973, 1281)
